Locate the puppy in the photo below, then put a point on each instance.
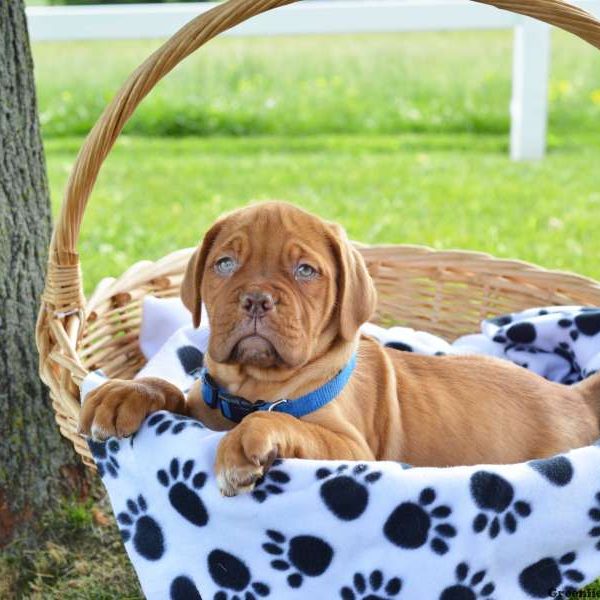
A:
(286, 294)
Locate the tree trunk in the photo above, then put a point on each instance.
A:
(34, 460)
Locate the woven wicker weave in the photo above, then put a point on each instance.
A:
(444, 292)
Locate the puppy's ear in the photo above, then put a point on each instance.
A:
(356, 296)
(192, 280)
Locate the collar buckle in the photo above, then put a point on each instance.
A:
(232, 407)
(275, 404)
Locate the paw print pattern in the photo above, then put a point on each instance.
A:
(548, 574)
(229, 572)
(305, 555)
(162, 422)
(272, 483)
(568, 355)
(521, 333)
(502, 320)
(371, 589)
(588, 322)
(142, 529)
(183, 491)
(557, 470)
(183, 588)
(567, 323)
(494, 494)
(468, 589)
(346, 494)
(595, 517)
(191, 359)
(401, 346)
(104, 456)
(411, 523)
(521, 337)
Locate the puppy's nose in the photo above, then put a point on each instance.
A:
(257, 304)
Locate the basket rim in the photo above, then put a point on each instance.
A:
(376, 253)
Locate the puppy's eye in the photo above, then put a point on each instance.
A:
(305, 272)
(225, 266)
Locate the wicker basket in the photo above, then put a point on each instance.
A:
(444, 292)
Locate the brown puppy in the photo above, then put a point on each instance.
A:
(286, 294)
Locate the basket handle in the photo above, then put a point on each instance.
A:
(64, 293)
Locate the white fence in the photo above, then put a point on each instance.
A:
(531, 54)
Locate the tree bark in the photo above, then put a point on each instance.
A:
(34, 460)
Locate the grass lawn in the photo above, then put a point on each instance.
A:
(365, 84)
(446, 191)
(401, 138)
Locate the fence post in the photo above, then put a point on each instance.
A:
(529, 104)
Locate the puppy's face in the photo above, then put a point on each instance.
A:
(275, 280)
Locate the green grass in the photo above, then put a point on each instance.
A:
(401, 137)
(78, 556)
(445, 191)
(368, 84)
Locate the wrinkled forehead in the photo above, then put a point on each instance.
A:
(271, 232)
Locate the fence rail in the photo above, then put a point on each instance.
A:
(531, 54)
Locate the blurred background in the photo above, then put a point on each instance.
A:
(401, 137)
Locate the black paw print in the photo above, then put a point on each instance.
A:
(568, 355)
(191, 359)
(362, 589)
(183, 588)
(494, 494)
(588, 323)
(548, 574)
(148, 538)
(409, 525)
(595, 516)
(521, 333)
(104, 456)
(272, 483)
(344, 494)
(162, 422)
(557, 470)
(567, 323)
(400, 346)
(183, 494)
(307, 554)
(229, 572)
(468, 589)
(501, 320)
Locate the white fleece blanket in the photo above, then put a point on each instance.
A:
(358, 531)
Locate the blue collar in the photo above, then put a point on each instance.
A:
(236, 408)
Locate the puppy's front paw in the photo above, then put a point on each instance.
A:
(117, 408)
(245, 454)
